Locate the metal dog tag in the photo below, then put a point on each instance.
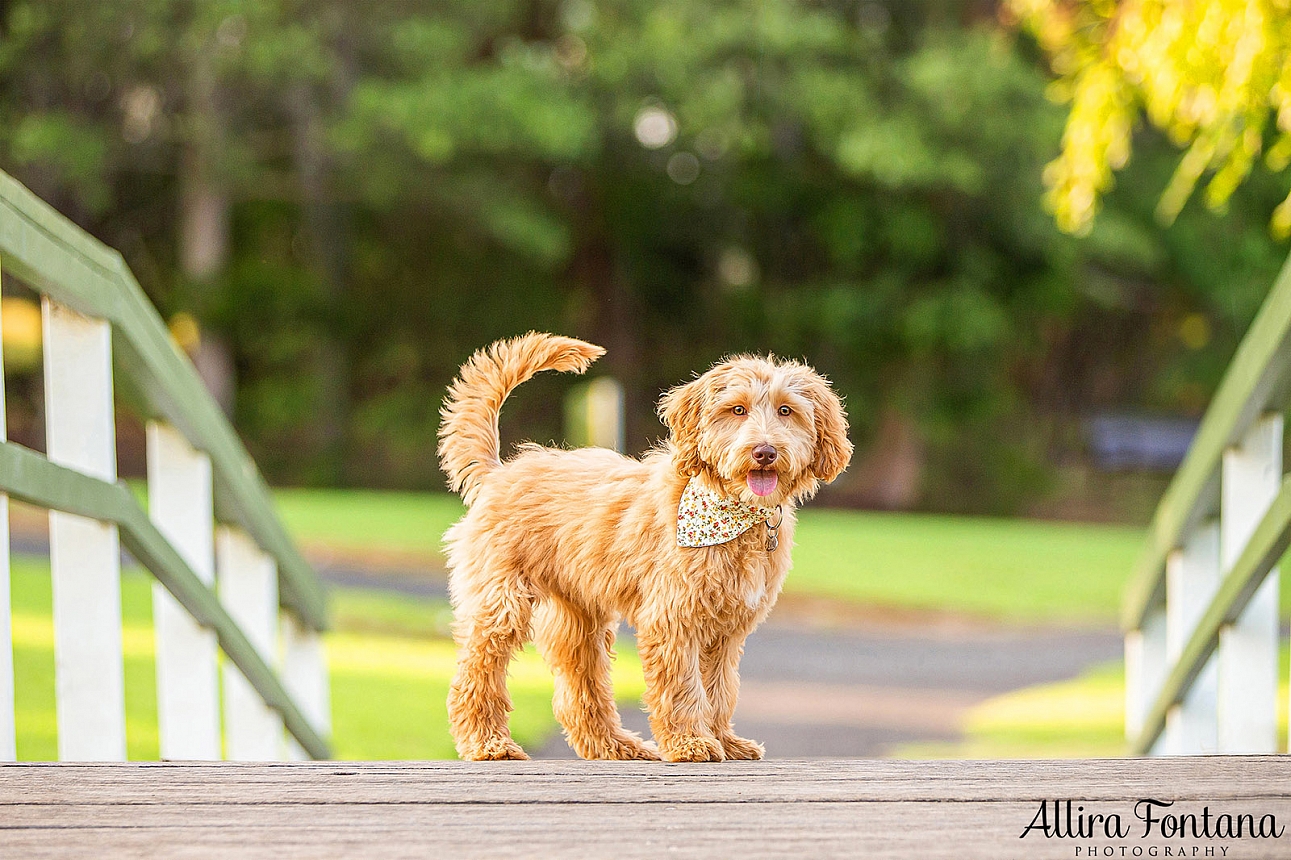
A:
(773, 530)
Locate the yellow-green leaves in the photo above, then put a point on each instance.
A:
(1210, 73)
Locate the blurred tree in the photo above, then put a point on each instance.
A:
(385, 187)
(124, 109)
(857, 183)
(1211, 74)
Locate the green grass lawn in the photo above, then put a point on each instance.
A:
(1013, 570)
(389, 659)
(1018, 570)
(33, 662)
(369, 520)
(1080, 718)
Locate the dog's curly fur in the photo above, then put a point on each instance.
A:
(564, 543)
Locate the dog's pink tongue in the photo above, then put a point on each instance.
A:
(763, 481)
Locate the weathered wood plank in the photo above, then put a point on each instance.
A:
(579, 809)
(578, 782)
(926, 830)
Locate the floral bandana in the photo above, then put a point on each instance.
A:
(706, 519)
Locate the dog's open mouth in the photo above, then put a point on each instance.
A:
(763, 481)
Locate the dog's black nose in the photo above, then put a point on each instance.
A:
(765, 455)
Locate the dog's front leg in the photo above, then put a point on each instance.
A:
(721, 671)
(680, 713)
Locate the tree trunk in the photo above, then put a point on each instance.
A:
(615, 320)
(204, 216)
(327, 225)
(889, 475)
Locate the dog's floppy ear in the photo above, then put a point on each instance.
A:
(681, 410)
(833, 448)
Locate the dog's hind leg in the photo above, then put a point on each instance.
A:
(720, 666)
(492, 624)
(577, 648)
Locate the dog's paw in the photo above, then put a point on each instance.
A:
(742, 749)
(627, 746)
(692, 748)
(634, 749)
(496, 749)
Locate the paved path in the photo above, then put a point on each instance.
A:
(858, 692)
(870, 809)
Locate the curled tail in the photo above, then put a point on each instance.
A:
(468, 430)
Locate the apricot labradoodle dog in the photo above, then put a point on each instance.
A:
(689, 544)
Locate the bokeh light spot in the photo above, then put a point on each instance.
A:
(654, 127)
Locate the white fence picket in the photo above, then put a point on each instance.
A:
(248, 587)
(8, 729)
(8, 732)
(188, 688)
(1192, 578)
(1145, 668)
(84, 553)
(304, 673)
(1248, 648)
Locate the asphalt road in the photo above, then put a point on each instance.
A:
(861, 689)
(859, 693)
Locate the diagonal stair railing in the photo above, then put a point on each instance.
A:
(226, 575)
(1200, 613)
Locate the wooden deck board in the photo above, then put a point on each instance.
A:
(597, 809)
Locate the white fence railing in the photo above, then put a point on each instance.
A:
(1201, 613)
(226, 575)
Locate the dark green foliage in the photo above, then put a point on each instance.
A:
(854, 183)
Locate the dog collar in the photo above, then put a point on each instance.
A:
(706, 519)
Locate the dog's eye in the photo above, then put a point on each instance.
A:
(739, 410)
(785, 410)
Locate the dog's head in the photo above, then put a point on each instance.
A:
(762, 430)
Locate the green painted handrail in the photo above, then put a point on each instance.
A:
(31, 478)
(1257, 378)
(59, 259)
